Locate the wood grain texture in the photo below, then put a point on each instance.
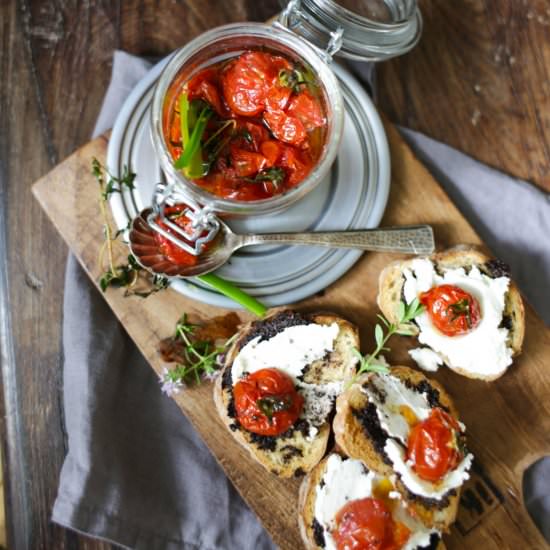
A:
(479, 80)
(55, 67)
(504, 442)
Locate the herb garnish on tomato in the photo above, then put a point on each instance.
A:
(266, 402)
(451, 309)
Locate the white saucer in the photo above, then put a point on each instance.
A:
(353, 196)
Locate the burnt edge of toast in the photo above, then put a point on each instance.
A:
(434, 541)
(269, 328)
(432, 394)
(368, 418)
(430, 503)
(318, 533)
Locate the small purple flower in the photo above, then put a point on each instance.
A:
(169, 384)
(211, 376)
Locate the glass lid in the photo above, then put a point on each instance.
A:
(364, 30)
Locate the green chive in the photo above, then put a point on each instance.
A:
(234, 293)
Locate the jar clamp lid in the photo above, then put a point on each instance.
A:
(383, 29)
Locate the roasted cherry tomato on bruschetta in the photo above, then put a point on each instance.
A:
(452, 310)
(266, 402)
(367, 524)
(432, 446)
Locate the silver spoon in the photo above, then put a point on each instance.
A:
(412, 239)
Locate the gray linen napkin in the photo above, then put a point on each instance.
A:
(137, 473)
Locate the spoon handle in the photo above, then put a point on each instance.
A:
(412, 239)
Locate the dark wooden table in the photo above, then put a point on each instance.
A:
(479, 80)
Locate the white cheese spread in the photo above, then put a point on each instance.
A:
(483, 350)
(454, 478)
(290, 351)
(347, 480)
(391, 395)
(426, 358)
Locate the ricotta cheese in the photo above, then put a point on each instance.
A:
(391, 396)
(483, 350)
(347, 480)
(290, 351)
(426, 358)
(453, 479)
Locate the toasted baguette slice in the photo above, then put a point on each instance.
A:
(311, 529)
(296, 451)
(358, 434)
(390, 293)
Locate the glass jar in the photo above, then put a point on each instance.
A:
(229, 41)
(307, 31)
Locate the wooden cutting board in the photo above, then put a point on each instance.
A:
(508, 420)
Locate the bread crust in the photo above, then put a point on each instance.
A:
(292, 453)
(390, 288)
(353, 440)
(306, 506)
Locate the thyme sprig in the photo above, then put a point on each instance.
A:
(373, 362)
(123, 275)
(275, 175)
(462, 307)
(201, 359)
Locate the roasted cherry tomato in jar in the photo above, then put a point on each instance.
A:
(248, 81)
(367, 524)
(284, 127)
(205, 86)
(432, 446)
(307, 109)
(266, 402)
(452, 310)
(253, 126)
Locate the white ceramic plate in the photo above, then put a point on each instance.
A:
(353, 196)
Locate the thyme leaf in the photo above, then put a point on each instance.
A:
(199, 358)
(124, 275)
(271, 404)
(462, 307)
(373, 362)
(293, 78)
(275, 175)
(112, 184)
